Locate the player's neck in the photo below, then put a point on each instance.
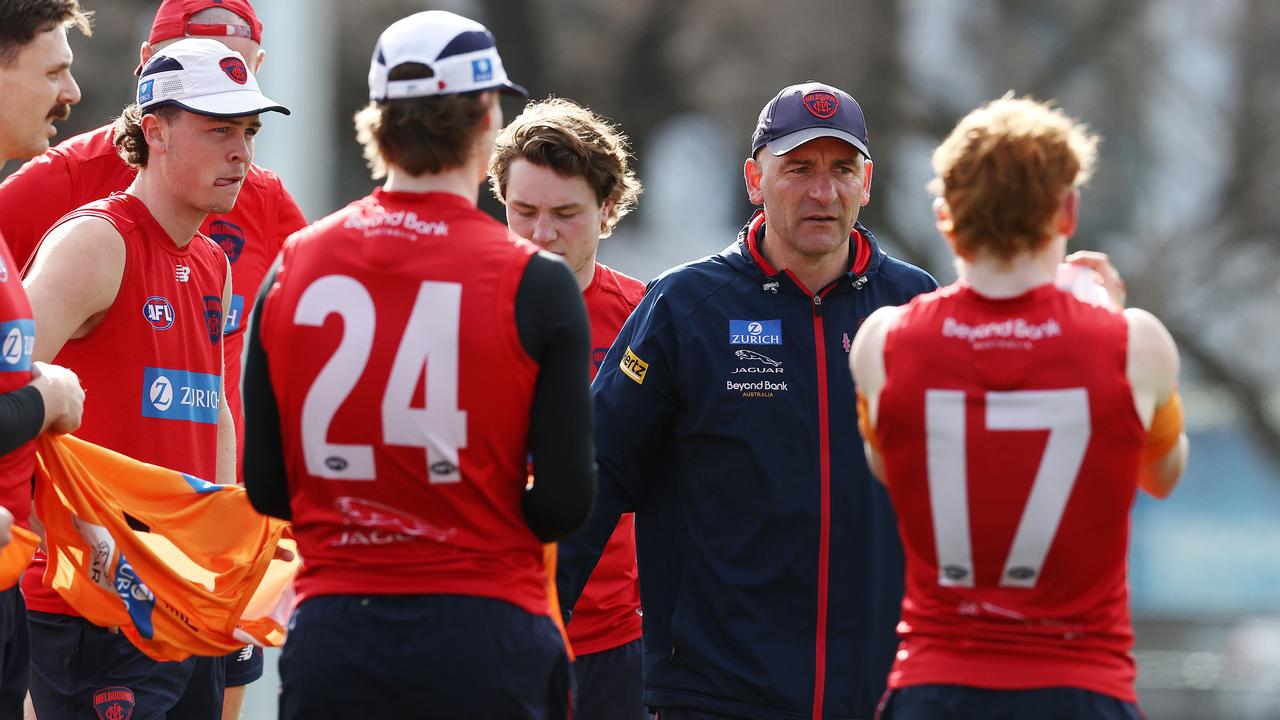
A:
(995, 278)
(461, 181)
(586, 274)
(179, 219)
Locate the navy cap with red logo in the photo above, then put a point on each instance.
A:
(809, 111)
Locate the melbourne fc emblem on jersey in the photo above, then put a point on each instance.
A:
(235, 69)
(822, 104)
(159, 312)
(229, 236)
(213, 317)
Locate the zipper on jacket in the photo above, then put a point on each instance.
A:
(824, 504)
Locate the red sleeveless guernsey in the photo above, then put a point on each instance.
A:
(608, 611)
(1011, 447)
(404, 397)
(17, 341)
(86, 167)
(152, 370)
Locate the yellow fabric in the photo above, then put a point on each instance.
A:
(184, 588)
(1166, 428)
(865, 425)
(16, 556)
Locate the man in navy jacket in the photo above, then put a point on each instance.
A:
(770, 567)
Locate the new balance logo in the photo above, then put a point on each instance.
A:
(181, 273)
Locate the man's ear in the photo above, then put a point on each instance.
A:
(1068, 217)
(156, 133)
(605, 209)
(753, 175)
(943, 221)
(867, 167)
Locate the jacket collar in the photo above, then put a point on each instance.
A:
(746, 256)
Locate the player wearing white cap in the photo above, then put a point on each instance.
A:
(405, 361)
(130, 295)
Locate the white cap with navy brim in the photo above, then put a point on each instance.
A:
(460, 52)
(205, 77)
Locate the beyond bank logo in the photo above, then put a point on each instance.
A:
(755, 332)
(180, 395)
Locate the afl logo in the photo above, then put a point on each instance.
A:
(822, 104)
(158, 312)
(13, 347)
(235, 69)
(755, 328)
(161, 393)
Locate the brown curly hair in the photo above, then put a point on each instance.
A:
(422, 134)
(127, 135)
(574, 142)
(22, 20)
(1003, 172)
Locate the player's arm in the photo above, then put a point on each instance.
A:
(52, 401)
(552, 322)
(264, 468)
(32, 199)
(226, 467)
(1153, 366)
(73, 281)
(866, 361)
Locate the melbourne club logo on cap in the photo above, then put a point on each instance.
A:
(235, 69)
(821, 104)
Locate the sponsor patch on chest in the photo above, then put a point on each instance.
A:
(181, 395)
(17, 341)
(755, 332)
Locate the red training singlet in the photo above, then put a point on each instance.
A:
(404, 397)
(608, 611)
(152, 369)
(86, 167)
(1011, 447)
(17, 340)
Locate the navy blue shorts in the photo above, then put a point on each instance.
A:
(243, 666)
(610, 684)
(957, 702)
(84, 672)
(422, 656)
(15, 652)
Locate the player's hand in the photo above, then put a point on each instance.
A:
(63, 397)
(1109, 276)
(6, 526)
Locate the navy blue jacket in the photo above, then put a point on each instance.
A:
(770, 566)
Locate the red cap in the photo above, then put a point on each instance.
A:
(173, 20)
